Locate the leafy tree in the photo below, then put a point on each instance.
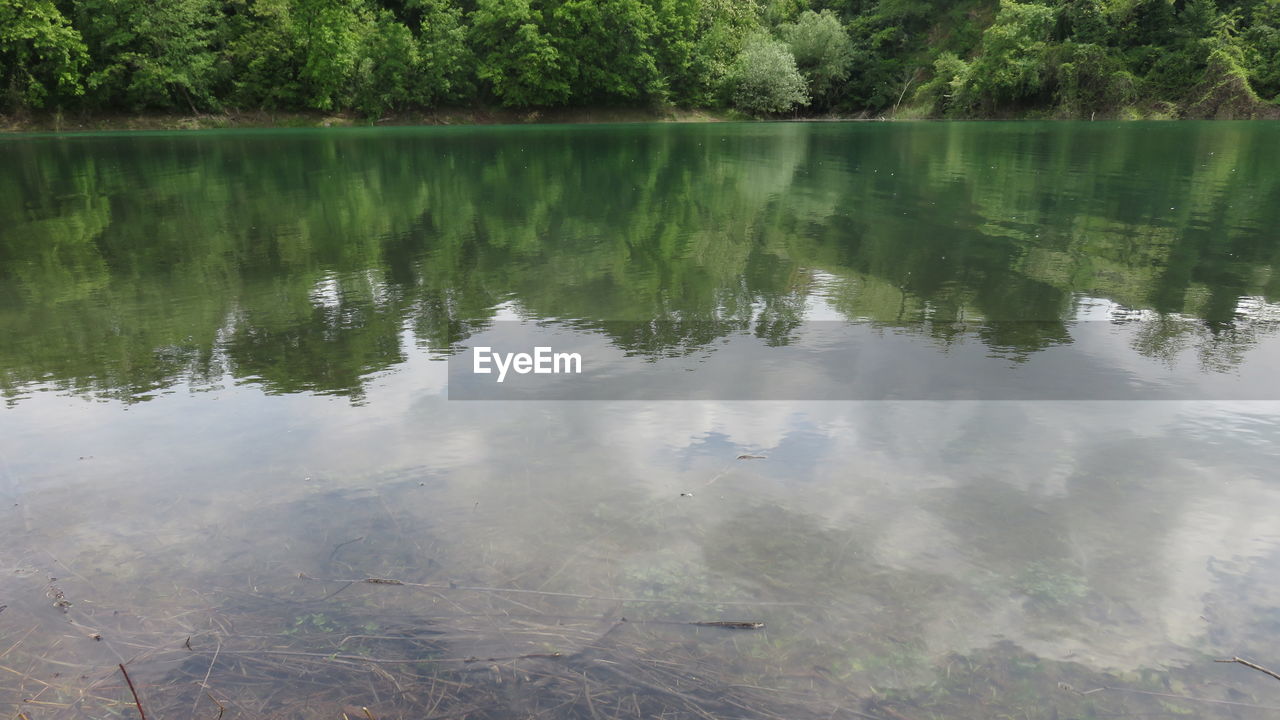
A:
(676, 50)
(779, 12)
(1225, 90)
(265, 57)
(723, 27)
(880, 60)
(764, 78)
(387, 73)
(1174, 57)
(515, 56)
(822, 49)
(1014, 63)
(447, 65)
(1261, 41)
(41, 55)
(1072, 58)
(327, 34)
(1088, 79)
(608, 48)
(1086, 21)
(149, 53)
(950, 74)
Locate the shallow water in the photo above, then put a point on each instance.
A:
(1011, 385)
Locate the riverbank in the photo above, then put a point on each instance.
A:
(54, 122)
(236, 119)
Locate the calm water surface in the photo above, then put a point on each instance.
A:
(225, 369)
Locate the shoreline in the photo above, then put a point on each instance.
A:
(56, 123)
(266, 119)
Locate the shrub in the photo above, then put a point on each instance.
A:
(1014, 63)
(822, 50)
(764, 79)
(942, 94)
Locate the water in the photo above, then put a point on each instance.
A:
(1012, 386)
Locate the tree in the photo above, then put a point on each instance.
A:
(822, 49)
(676, 51)
(515, 56)
(1262, 43)
(264, 56)
(327, 33)
(387, 73)
(608, 48)
(1014, 62)
(1071, 58)
(722, 28)
(939, 94)
(764, 78)
(149, 53)
(447, 64)
(40, 54)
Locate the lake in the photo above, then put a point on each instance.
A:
(875, 420)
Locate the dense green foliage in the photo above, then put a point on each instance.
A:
(958, 58)
(823, 51)
(764, 78)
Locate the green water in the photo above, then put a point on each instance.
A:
(223, 355)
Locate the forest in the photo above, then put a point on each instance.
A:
(762, 58)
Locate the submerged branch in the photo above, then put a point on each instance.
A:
(136, 700)
(1174, 696)
(1248, 664)
(347, 658)
(546, 593)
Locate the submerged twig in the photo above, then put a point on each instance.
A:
(725, 470)
(552, 655)
(577, 596)
(133, 690)
(1180, 697)
(204, 684)
(1248, 664)
(345, 658)
(18, 641)
(221, 709)
(341, 545)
